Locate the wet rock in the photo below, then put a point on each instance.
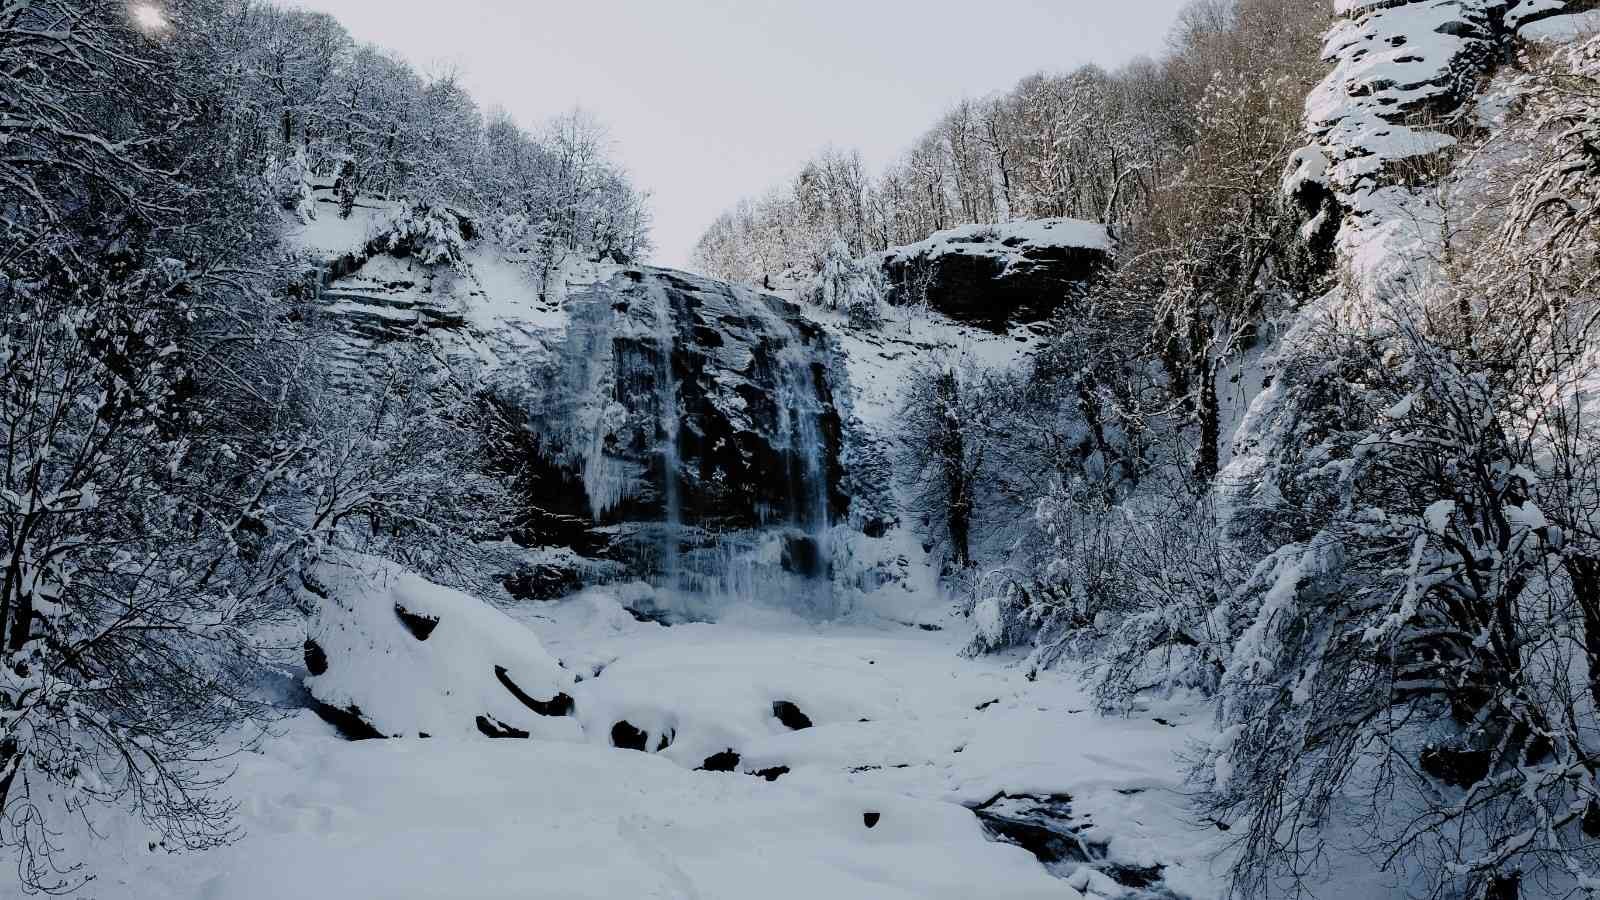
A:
(802, 555)
(1042, 826)
(673, 398)
(420, 626)
(627, 737)
(870, 819)
(726, 761)
(790, 715)
(1046, 827)
(772, 773)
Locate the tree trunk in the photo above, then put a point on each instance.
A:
(1208, 461)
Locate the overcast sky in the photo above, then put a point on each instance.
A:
(712, 100)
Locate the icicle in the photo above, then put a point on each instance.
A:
(667, 406)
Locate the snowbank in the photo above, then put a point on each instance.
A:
(512, 819)
(407, 657)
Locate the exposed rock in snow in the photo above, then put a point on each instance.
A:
(1403, 73)
(1400, 70)
(391, 654)
(993, 275)
(790, 715)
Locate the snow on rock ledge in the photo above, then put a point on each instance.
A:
(392, 654)
(1403, 70)
(991, 275)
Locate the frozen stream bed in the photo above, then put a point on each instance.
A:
(875, 799)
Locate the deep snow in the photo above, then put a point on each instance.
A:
(903, 727)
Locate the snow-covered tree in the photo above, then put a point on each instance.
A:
(851, 285)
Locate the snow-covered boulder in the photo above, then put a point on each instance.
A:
(993, 275)
(391, 654)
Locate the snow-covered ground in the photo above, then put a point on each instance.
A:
(875, 799)
(903, 728)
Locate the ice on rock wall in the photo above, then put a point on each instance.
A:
(700, 420)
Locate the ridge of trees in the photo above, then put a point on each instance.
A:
(176, 445)
(1090, 144)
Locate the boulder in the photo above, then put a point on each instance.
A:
(391, 654)
(993, 276)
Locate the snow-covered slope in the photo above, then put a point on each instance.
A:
(880, 797)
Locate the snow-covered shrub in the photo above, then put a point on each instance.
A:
(1421, 642)
(405, 471)
(1133, 587)
(289, 184)
(942, 454)
(1006, 610)
(432, 232)
(849, 284)
(510, 229)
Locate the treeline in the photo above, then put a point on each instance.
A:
(1128, 392)
(296, 92)
(1087, 144)
(1391, 595)
(175, 448)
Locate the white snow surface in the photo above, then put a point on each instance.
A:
(903, 727)
(1561, 29)
(438, 686)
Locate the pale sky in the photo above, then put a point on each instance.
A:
(712, 100)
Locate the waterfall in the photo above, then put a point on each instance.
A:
(666, 338)
(692, 427)
(799, 417)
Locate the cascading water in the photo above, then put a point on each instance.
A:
(698, 422)
(667, 409)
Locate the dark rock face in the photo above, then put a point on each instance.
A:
(420, 626)
(627, 737)
(726, 761)
(790, 715)
(678, 407)
(996, 275)
(316, 658)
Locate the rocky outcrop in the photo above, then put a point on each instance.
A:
(676, 408)
(671, 422)
(996, 275)
(1402, 74)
